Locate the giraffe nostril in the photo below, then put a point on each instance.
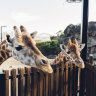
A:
(80, 62)
(68, 52)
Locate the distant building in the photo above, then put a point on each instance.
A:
(43, 37)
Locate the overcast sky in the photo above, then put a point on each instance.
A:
(44, 16)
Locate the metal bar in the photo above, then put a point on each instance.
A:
(1, 32)
(84, 40)
(84, 28)
(2, 84)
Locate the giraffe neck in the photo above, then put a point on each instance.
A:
(62, 57)
(4, 53)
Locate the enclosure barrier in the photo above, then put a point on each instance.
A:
(33, 82)
(90, 77)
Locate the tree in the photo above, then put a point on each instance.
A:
(59, 32)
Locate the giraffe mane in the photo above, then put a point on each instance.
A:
(28, 41)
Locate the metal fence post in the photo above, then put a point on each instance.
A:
(2, 84)
(84, 40)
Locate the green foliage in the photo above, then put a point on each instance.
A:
(62, 35)
(52, 37)
(49, 47)
(38, 41)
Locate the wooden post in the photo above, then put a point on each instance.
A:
(32, 82)
(51, 82)
(91, 59)
(6, 82)
(41, 83)
(13, 82)
(46, 83)
(66, 79)
(28, 82)
(35, 77)
(57, 80)
(70, 79)
(20, 82)
(62, 79)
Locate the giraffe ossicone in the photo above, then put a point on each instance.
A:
(24, 49)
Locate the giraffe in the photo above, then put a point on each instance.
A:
(4, 53)
(24, 49)
(71, 54)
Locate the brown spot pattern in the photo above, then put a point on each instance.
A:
(25, 54)
(29, 61)
(3, 47)
(7, 54)
(1, 60)
(31, 54)
(22, 59)
(3, 54)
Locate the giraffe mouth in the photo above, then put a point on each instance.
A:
(46, 69)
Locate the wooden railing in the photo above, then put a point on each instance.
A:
(33, 82)
(90, 77)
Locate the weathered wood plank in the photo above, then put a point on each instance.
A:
(20, 82)
(28, 82)
(6, 82)
(13, 83)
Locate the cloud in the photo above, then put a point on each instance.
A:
(24, 17)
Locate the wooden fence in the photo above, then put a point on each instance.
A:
(90, 78)
(33, 82)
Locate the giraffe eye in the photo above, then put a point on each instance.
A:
(44, 62)
(19, 48)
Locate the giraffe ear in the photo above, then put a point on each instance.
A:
(62, 46)
(69, 43)
(33, 34)
(8, 38)
(81, 46)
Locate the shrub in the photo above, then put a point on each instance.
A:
(38, 41)
(49, 47)
(62, 35)
(53, 37)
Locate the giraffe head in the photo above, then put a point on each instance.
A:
(24, 50)
(73, 50)
(5, 53)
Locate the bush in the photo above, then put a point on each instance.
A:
(53, 37)
(62, 35)
(38, 41)
(49, 47)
